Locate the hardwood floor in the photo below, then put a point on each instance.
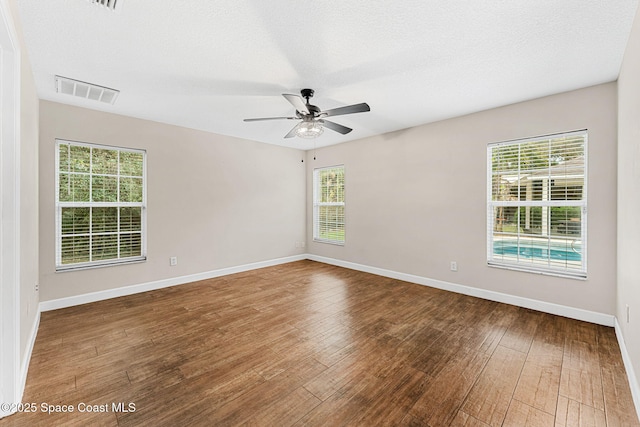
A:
(312, 344)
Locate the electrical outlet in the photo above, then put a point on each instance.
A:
(454, 266)
(37, 287)
(628, 313)
(173, 261)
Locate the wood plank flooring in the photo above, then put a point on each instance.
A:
(315, 345)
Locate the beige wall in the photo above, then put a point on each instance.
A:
(28, 192)
(629, 197)
(416, 199)
(213, 201)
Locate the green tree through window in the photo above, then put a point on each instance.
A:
(328, 205)
(537, 203)
(100, 205)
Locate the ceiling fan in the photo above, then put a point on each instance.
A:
(313, 121)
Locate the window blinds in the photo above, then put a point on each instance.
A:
(328, 205)
(537, 204)
(100, 205)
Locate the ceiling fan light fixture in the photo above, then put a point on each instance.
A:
(309, 130)
(312, 122)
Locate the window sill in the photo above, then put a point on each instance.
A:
(576, 276)
(65, 269)
(330, 242)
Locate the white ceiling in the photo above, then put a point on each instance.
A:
(207, 64)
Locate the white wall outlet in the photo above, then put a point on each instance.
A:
(454, 266)
(37, 287)
(628, 313)
(173, 261)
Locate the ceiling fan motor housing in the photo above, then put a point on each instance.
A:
(315, 111)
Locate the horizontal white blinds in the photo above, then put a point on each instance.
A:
(553, 162)
(100, 204)
(537, 203)
(329, 204)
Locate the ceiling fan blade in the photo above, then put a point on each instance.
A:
(297, 102)
(349, 109)
(269, 118)
(335, 126)
(292, 132)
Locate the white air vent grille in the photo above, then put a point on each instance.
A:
(109, 4)
(86, 90)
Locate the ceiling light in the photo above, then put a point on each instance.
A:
(309, 130)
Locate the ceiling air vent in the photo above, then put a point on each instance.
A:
(86, 90)
(108, 4)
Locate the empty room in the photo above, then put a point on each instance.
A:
(297, 213)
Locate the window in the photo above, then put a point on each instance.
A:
(328, 205)
(537, 204)
(100, 205)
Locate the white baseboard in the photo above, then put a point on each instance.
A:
(546, 307)
(24, 367)
(631, 375)
(158, 284)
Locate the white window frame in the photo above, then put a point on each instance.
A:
(60, 205)
(317, 205)
(527, 266)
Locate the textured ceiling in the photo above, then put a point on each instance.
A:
(207, 64)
